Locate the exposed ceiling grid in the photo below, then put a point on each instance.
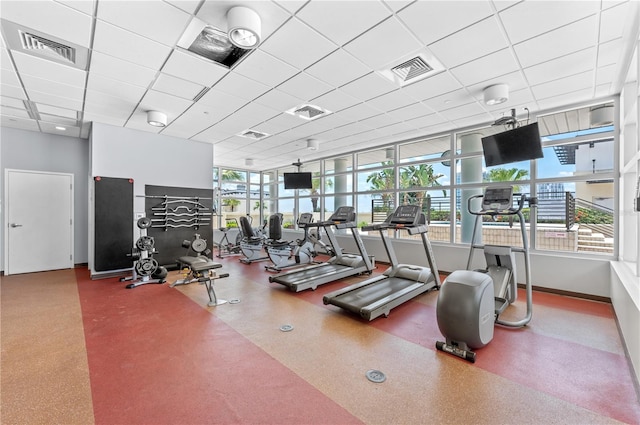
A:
(328, 54)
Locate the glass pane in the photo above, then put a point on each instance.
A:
(471, 141)
(436, 207)
(425, 149)
(376, 158)
(423, 175)
(508, 172)
(338, 165)
(374, 208)
(576, 159)
(234, 175)
(342, 183)
(383, 179)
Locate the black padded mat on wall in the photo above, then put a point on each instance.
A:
(113, 218)
(168, 240)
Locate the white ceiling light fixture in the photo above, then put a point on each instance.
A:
(248, 162)
(601, 115)
(156, 118)
(244, 27)
(313, 144)
(496, 94)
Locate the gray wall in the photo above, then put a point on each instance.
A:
(29, 150)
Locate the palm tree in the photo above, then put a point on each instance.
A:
(507, 175)
(418, 176)
(384, 180)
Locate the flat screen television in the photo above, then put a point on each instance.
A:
(297, 181)
(519, 144)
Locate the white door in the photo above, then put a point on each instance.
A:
(38, 221)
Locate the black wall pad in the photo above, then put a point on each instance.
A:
(113, 220)
(174, 220)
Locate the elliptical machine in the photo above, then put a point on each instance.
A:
(471, 301)
(285, 254)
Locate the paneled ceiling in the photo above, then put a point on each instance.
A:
(333, 55)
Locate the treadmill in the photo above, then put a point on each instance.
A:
(400, 282)
(339, 266)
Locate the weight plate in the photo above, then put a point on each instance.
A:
(234, 301)
(146, 266)
(145, 243)
(144, 222)
(199, 245)
(375, 376)
(286, 328)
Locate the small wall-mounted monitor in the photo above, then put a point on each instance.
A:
(297, 181)
(520, 144)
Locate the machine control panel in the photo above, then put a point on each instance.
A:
(407, 215)
(497, 199)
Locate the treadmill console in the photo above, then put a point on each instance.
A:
(405, 215)
(305, 218)
(497, 199)
(343, 215)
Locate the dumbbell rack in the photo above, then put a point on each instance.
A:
(144, 265)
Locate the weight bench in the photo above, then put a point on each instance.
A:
(201, 270)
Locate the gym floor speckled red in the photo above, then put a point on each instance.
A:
(82, 351)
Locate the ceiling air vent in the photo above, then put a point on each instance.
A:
(252, 134)
(308, 112)
(211, 43)
(44, 46)
(412, 69)
(48, 47)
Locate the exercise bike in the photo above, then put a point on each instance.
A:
(471, 301)
(252, 241)
(225, 246)
(285, 254)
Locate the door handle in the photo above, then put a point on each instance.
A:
(15, 225)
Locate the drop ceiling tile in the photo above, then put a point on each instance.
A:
(410, 112)
(177, 87)
(342, 21)
(298, 54)
(101, 104)
(478, 40)
(335, 100)
(194, 68)
(54, 19)
(192, 122)
(241, 87)
(292, 5)
(54, 110)
(278, 100)
(129, 46)
(529, 19)
(9, 77)
(358, 112)
(165, 26)
(48, 127)
(14, 112)
(369, 86)
(606, 74)
(563, 85)
(263, 67)
(105, 119)
(392, 100)
(52, 71)
(610, 22)
(565, 99)
(112, 87)
(67, 122)
(21, 123)
(573, 63)
(577, 36)
(449, 100)
(385, 45)
(487, 67)
(433, 86)
(5, 60)
(118, 69)
(378, 121)
(431, 21)
(188, 6)
(222, 102)
(426, 121)
(514, 80)
(32, 84)
(610, 52)
(338, 68)
(280, 123)
(397, 5)
(49, 99)
(171, 105)
(253, 114)
(85, 6)
(12, 91)
(11, 102)
(305, 87)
